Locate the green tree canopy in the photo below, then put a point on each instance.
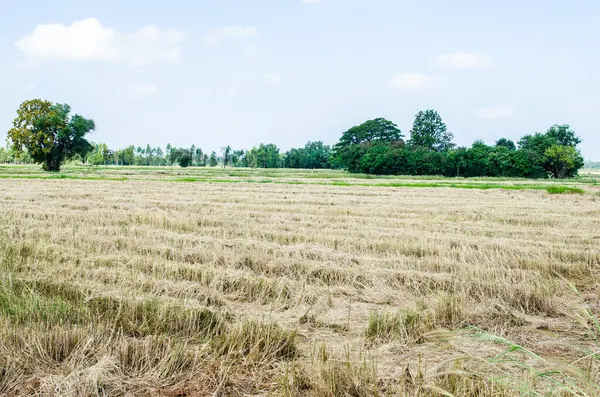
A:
(556, 150)
(184, 157)
(537, 142)
(213, 161)
(99, 154)
(49, 133)
(237, 158)
(563, 161)
(264, 156)
(226, 152)
(355, 142)
(199, 157)
(6, 156)
(314, 155)
(507, 143)
(430, 132)
(563, 135)
(377, 130)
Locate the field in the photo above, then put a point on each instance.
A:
(196, 282)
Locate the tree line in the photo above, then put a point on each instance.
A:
(377, 147)
(46, 133)
(313, 155)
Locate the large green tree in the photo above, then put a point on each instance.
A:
(49, 133)
(555, 151)
(185, 158)
(563, 135)
(430, 132)
(377, 130)
(355, 142)
(563, 161)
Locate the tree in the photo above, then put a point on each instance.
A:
(98, 155)
(237, 158)
(293, 158)
(507, 143)
(184, 157)
(377, 130)
(160, 157)
(563, 135)
(501, 161)
(430, 132)
(349, 157)
(563, 161)
(22, 133)
(478, 159)
(457, 161)
(174, 154)
(49, 133)
(199, 157)
(528, 164)
(314, 155)
(193, 153)
(168, 151)
(181, 156)
(6, 156)
(355, 142)
(213, 161)
(140, 153)
(129, 155)
(379, 159)
(226, 155)
(149, 154)
(537, 142)
(551, 150)
(268, 156)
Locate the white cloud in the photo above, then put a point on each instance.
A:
(273, 78)
(89, 40)
(464, 60)
(405, 81)
(231, 33)
(141, 90)
(495, 112)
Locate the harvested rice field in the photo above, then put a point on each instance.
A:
(151, 287)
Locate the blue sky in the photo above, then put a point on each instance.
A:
(241, 72)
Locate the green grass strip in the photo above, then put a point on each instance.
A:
(552, 189)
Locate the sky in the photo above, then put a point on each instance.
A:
(241, 72)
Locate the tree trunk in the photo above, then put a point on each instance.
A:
(51, 164)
